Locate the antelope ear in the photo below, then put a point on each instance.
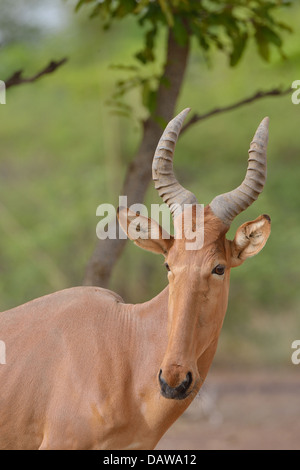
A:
(145, 232)
(250, 239)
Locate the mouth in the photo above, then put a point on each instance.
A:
(177, 397)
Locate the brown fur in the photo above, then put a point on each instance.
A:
(82, 366)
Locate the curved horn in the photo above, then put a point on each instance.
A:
(172, 193)
(227, 206)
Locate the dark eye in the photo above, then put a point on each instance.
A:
(219, 270)
(167, 266)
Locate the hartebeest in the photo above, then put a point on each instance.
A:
(84, 370)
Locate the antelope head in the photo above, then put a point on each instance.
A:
(199, 278)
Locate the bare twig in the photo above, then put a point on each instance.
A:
(18, 79)
(257, 96)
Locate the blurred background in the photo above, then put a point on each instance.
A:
(65, 150)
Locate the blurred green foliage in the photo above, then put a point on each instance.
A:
(228, 26)
(63, 152)
(212, 23)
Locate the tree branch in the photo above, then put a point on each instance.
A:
(17, 78)
(257, 96)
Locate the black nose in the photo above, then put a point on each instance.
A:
(175, 393)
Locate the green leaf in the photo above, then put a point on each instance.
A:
(124, 8)
(197, 31)
(167, 12)
(149, 97)
(284, 26)
(239, 45)
(145, 56)
(95, 11)
(271, 36)
(140, 6)
(80, 3)
(180, 32)
(150, 37)
(264, 37)
(262, 44)
(119, 104)
(103, 10)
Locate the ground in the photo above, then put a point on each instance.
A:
(241, 410)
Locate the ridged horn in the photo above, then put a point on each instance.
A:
(172, 193)
(227, 206)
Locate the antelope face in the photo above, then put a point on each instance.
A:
(198, 296)
(199, 277)
(198, 292)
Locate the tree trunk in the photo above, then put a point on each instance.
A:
(139, 172)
